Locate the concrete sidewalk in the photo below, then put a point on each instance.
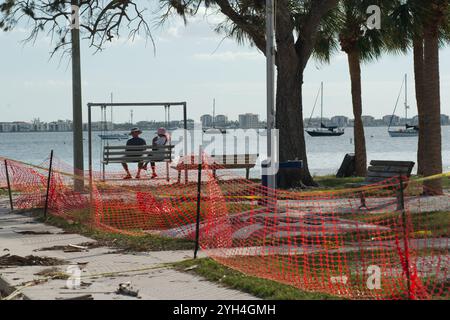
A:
(102, 268)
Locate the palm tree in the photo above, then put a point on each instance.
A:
(424, 26)
(346, 25)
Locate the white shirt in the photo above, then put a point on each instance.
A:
(160, 141)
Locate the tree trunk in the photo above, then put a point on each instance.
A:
(419, 82)
(289, 120)
(360, 140)
(432, 110)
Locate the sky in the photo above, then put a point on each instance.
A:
(192, 63)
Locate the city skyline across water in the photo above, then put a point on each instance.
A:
(245, 121)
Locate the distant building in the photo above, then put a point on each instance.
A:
(368, 120)
(445, 120)
(101, 125)
(21, 126)
(8, 127)
(60, 125)
(38, 125)
(220, 120)
(207, 120)
(249, 121)
(395, 120)
(340, 121)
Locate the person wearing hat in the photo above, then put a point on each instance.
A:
(135, 141)
(161, 139)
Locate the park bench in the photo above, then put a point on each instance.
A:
(218, 162)
(136, 154)
(383, 170)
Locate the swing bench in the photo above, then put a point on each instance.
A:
(137, 154)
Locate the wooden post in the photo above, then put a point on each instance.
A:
(9, 186)
(199, 197)
(48, 184)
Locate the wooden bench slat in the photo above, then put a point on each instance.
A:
(392, 169)
(148, 153)
(385, 174)
(392, 163)
(124, 147)
(135, 153)
(381, 170)
(134, 159)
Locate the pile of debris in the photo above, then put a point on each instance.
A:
(14, 260)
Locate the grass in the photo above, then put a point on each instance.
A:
(129, 243)
(258, 287)
(331, 181)
(4, 192)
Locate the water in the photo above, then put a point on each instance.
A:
(324, 154)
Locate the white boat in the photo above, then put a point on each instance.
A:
(408, 130)
(401, 133)
(114, 136)
(214, 131)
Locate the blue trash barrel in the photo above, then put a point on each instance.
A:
(291, 164)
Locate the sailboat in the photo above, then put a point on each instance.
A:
(324, 131)
(214, 130)
(409, 130)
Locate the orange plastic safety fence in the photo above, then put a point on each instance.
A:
(384, 241)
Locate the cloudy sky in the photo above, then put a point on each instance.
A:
(192, 64)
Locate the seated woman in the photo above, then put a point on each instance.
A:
(160, 140)
(134, 141)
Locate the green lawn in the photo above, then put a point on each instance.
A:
(129, 243)
(261, 288)
(332, 182)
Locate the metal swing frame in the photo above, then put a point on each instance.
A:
(131, 104)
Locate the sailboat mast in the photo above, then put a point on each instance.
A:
(406, 98)
(321, 103)
(214, 113)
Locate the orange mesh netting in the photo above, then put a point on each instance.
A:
(394, 247)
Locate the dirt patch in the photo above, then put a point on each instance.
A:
(53, 273)
(13, 260)
(36, 233)
(33, 232)
(80, 247)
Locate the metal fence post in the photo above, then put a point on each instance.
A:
(199, 197)
(48, 184)
(405, 237)
(9, 186)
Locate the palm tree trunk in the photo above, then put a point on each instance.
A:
(419, 82)
(360, 141)
(432, 110)
(289, 121)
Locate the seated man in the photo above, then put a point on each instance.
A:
(160, 140)
(134, 141)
